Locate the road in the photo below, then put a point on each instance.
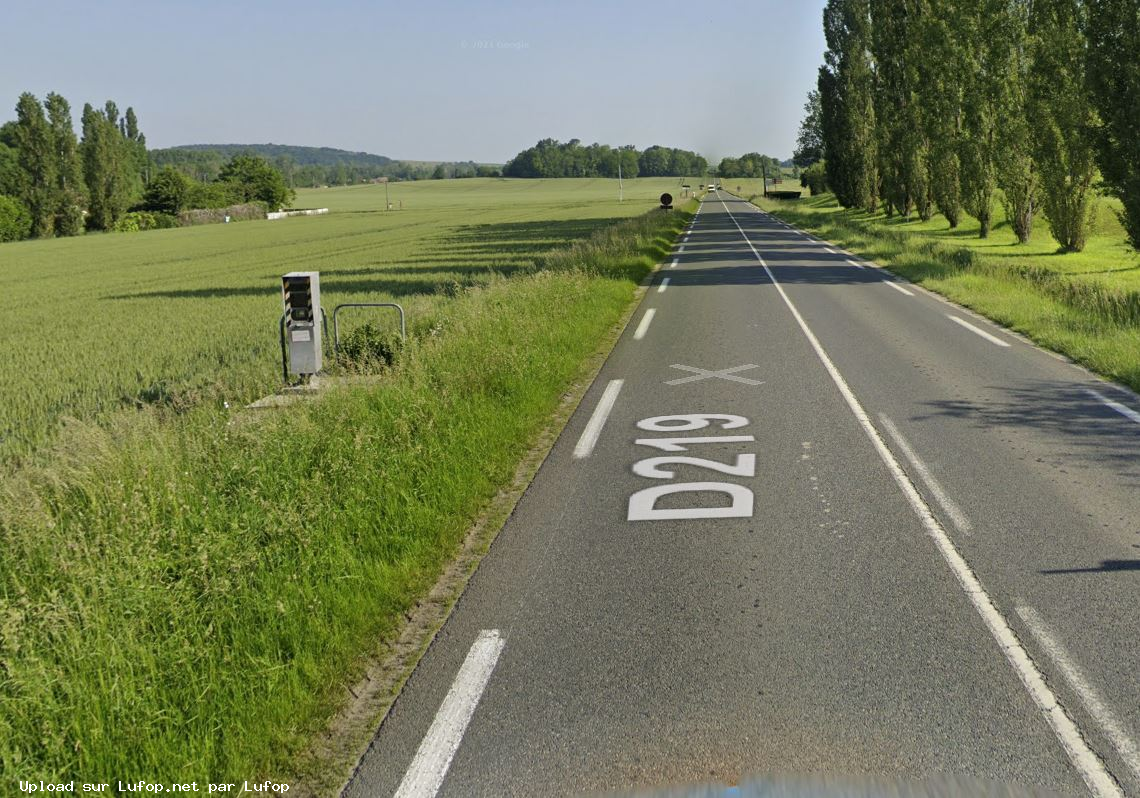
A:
(901, 542)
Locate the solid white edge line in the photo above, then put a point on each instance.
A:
(856, 265)
(664, 284)
(898, 287)
(586, 443)
(642, 328)
(977, 330)
(1089, 695)
(1123, 410)
(1087, 763)
(948, 506)
(425, 775)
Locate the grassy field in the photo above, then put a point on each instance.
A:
(186, 595)
(1085, 305)
(177, 318)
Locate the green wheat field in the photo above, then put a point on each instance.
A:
(104, 322)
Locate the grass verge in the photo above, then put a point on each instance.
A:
(1055, 300)
(182, 600)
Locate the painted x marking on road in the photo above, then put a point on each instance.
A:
(723, 374)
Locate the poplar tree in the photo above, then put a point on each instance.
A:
(845, 88)
(982, 37)
(1114, 82)
(35, 158)
(809, 141)
(108, 165)
(940, 88)
(1062, 118)
(904, 166)
(136, 145)
(96, 164)
(1017, 173)
(68, 188)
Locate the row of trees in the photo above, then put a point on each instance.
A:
(551, 158)
(52, 183)
(62, 184)
(926, 105)
(751, 164)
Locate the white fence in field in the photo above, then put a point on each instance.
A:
(299, 212)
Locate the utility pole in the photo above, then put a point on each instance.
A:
(621, 196)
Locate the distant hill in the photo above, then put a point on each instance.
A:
(302, 156)
(310, 166)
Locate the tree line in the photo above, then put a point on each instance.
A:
(311, 167)
(552, 158)
(751, 164)
(934, 105)
(54, 183)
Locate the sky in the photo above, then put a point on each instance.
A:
(428, 80)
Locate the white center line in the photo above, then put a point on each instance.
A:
(948, 506)
(898, 287)
(664, 284)
(593, 429)
(853, 263)
(642, 328)
(429, 767)
(1084, 759)
(991, 338)
(1090, 696)
(1123, 410)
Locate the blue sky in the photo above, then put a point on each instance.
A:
(428, 80)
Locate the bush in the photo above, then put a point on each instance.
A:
(135, 221)
(814, 178)
(169, 192)
(367, 348)
(15, 219)
(213, 195)
(256, 180)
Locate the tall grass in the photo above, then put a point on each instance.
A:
(181, 597)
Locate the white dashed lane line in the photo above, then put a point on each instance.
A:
(425, 775)
(589, 439)
(993, 339)
(1123, 410)
(898, 287)
(1096, 705)
(642, 328)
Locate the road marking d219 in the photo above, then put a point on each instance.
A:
(643, 503)
(682, 444)
(745, 466)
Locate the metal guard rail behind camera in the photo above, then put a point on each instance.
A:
(336, 329)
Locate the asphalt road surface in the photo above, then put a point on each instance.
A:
(808, 519)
